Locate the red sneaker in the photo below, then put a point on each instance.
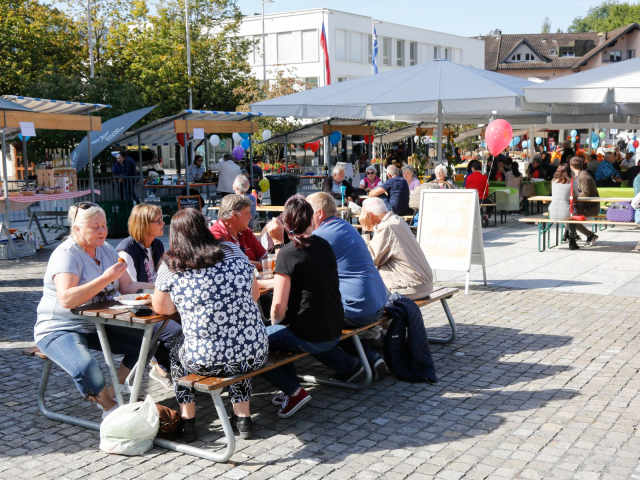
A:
(292, 404)
(279, 399)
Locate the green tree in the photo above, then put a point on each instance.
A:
(35, 40)
(151, 51)
(607, 16)
(546, 26)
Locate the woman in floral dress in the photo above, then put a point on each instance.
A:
(212, 285)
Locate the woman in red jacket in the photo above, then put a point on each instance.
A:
(477, 181)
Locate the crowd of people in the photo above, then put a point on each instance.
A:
(327, 277)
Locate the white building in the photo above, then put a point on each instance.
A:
(293, 41)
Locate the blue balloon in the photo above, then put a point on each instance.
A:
(632, 148)
(594, 137)
(525, 144)
(244, 135)
(538, 140)
(516, 140)
(245, 143)
(484, 144)
(545, 149)
(635, 137)
(574, 133)
(594, 145)
(335, 137)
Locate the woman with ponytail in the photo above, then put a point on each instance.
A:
(306, 313)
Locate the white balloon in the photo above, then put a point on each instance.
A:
(416, 139)
(237, 138)
(266, 134)
(214, 140)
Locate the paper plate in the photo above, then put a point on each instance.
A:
(130, 300)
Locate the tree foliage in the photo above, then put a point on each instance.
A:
(35, 40)
(546, 26)
(607, 16)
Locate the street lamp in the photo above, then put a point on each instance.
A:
(264, 49)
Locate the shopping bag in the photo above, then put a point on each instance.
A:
(130, 429)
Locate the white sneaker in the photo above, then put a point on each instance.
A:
(163, 378)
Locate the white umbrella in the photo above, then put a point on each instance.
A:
(596, 91)
(438, 90)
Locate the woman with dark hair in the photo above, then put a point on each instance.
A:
(457, 157)
(212, 285)
(514, 180)
(559, 208)
(306, 313)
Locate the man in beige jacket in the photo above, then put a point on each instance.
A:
(395, 251)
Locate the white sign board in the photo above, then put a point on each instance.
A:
(450, 230)
(198, 133)
(27, 129)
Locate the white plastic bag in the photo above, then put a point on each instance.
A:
(130, 429)
(355, 208)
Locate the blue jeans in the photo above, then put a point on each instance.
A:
(281, 339)
(335, 358)
(70, 350)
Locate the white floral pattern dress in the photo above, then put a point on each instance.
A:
(222, 330)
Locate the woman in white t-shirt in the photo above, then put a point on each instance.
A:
(83, 270)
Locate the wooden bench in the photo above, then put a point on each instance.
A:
(544, 227)
(214, 385)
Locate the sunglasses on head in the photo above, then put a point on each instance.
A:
(83, 206)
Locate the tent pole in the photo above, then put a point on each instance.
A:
(91, 181)
(140, 163)
(24, 160)
(286, 153)
(251, 163)
(6, 225)
(439, 107)
(589, 141)
(186, 159)
(532, 142)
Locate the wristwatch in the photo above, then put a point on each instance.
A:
(278, 245)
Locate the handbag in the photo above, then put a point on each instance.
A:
(574, 217)
(169, 419)
(621, 212)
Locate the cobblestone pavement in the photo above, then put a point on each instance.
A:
(539, 384)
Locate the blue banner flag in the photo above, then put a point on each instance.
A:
(375, 51)
(111, 131)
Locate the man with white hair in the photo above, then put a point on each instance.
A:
(240, 187)
(227, 170)
(332, 185)
(395, 191)
(395, 251)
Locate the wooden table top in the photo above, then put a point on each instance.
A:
(541, 198)
(104, 310)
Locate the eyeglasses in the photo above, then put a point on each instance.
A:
(160, 221)
(83, 206)
(371, 173)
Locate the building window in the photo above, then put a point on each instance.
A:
(285, 47)
(529, 57)
(356, 47)
(615, 56)
(370, 49)
(342, 79)
(631, 54)
(583, 47)
(552, 52)
(256, 54)
(567, 52)
(400, 53)
(516, 57)
(312, 82)
(436, 53)
(310, 45)
(413, 53)
(447, 54)
(386, 51)
(341, 45)
(457, 55)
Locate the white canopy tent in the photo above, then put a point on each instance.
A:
(438, 91)
(613, 88)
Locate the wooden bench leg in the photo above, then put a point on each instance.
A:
(58, 417)
(452, 323)
(348, 385)
(201, 452)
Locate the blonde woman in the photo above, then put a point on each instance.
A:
(84, 269)
(142, 252)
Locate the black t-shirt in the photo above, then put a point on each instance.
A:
(314, 311)
(630, 175)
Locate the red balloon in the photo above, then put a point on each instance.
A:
(182, 139)
(636, 143)
(368, 139)
(314, 146)
(498, 135)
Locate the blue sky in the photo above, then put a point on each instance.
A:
(460, 17)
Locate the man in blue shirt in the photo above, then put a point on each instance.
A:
(395, 191)
(361, 287)
(606, 174)
(129, 183)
